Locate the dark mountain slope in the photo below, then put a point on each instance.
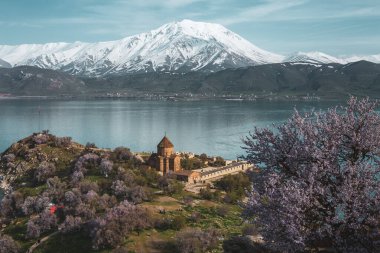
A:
(33, 81)
(361, 78)
(4, 64)
(329, 80)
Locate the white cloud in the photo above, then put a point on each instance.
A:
(157, 3)
(178, 3)
(20, 24)
(259, 11)
(77, 20)
(300, 10)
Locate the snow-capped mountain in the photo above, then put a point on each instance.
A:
(175, 47)
(178, 47)
(4, 64)
(313, 58)
(370, 58)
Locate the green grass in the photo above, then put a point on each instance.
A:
(229, 225)
(68, 243)
(64, 158)
(32, 191)
(17, 231)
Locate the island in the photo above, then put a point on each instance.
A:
(61, 196)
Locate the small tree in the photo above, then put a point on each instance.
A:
(203, 157)
(194, 240)
(106, 167)
(44, 171)
(72, 198)
(122, 153)
(41, 138)
(170, 186)
(39, 224)
(8, 245)
(29, 205)
(126, 176)
(235, 186)
(76, 177)
(87, 186)
(61, 142)
(84, 211)
(11, 204)
(8, 158)
(91, 198)
(110, 230)
(71, 224)
(41, 203)
(56, 188)
(242, 244)
(33, 230)
(319, 181)
(137, 194)
(119, 188)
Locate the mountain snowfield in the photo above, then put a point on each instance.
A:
(175, 47)
(313, 58)
(4, 64)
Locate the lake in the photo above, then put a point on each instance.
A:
(212, 127)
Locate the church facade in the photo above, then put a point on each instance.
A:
(165, 160)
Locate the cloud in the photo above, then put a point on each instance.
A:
(173, 4)
(131, 17)
(299, 22)
(299, 10)
(259, 11)
(178, 3)
(19, 24)
(76, 20)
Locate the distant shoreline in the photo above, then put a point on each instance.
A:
(158, 97)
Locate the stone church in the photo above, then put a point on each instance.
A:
(165, 160)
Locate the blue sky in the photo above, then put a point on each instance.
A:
(338, 27)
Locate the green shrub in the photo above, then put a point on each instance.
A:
(206, 193)
(235, 186)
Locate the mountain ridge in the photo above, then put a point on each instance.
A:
(177, 47)
(314, 58)
(181, 47)
(262, 81)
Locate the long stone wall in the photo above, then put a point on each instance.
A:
(210, 174)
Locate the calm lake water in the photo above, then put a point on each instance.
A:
(212, 127)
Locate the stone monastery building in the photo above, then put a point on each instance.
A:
(165, 160)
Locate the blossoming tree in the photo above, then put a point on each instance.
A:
(319, 180)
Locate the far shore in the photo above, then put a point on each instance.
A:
(176, 97)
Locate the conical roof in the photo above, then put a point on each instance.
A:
(165, 143)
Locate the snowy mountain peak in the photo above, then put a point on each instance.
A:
(371, 58)
(313, 58)
(180, 46)
(197, 29)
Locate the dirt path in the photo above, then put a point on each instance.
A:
(38, 243)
